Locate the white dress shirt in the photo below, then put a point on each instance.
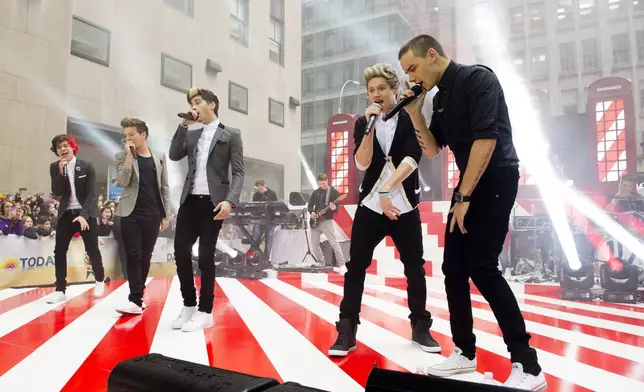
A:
(385, 132)
(71, 175)
(200, 184)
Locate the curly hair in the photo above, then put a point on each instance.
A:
(55, 142)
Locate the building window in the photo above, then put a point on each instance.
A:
(175, 74)
(275, 112)
(639, 36)
(307, 116)
(589, 54)
(611, 140)
(239, 21)
(587, 11)
(516, 20)
(569, 101)
(185, 6)
(539, 62)
(276, 36)
(567, 56)
(564, 16)
(237, 98)
(621, 52)
(617, 8)
(307, 48)
(638, 5)
(536, 14)
(90, 41)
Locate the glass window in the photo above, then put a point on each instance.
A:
(90, 42)
(175, 74)
(275, 112)
(237, 98)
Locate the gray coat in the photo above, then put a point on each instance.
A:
(226, 152)
(129, 180)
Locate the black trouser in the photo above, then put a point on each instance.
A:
(195, 220)
(476, 255)
(64, 234)
(369, 228)
(140, 234)
(118, 236)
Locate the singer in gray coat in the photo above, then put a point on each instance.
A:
(209, 194)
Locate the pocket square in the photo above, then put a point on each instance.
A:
(83, 176)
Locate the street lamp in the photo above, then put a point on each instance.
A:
(342, 92)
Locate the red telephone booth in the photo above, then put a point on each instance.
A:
(341, 169)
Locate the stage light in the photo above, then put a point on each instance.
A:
(576, 284)
(619, 281)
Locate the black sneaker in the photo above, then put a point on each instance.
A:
(346, 341)
(421, 337)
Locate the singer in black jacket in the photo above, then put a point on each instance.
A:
(74, 182)
(389, 195)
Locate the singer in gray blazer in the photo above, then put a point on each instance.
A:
(209, 193)
(144, 208)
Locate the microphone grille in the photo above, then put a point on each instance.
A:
(417, 89)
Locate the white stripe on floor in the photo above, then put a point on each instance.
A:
(60, 357)
(566, 369)
(8, 293)
(16, 318)
(293, 356)
(188, 346)
(381, 340)
(618, 349)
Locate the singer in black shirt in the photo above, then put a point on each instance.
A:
(144, 208)
(388, 206)
(471, 117)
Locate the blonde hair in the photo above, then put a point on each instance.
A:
(382, 70)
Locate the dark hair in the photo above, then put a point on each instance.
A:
(206, 95)
(140, 125)
(260, 182)
(420, 44)
(55, 142)
(322, 177)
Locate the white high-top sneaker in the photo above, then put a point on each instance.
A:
(456, 363)
(130, 308)
(56, 297)
(198, 322)
(185, 316)
(99, 289)
(521, 380)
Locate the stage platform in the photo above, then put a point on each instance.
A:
(282, 326)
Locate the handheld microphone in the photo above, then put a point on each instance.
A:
(186, 115)
(370, 124)
(65, 171)
(417, 89)
(132, 151)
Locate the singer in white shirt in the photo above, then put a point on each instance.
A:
(388, 206)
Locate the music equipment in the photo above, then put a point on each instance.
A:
(155, 372)
(186, 115)
(383, 380)
(314, 222)
(263, 213)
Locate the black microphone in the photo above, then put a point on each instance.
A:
(417, 89)
(132, 151)
(65, 170)
(370, 124)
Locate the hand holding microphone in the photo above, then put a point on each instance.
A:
(62, 167)
(189, 117)
(129, 147)
(407, 99)
(372, 113)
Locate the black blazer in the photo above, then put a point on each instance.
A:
(404, 145)
(85, 183)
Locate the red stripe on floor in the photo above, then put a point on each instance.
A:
(22, 299)
(130, 337)
(358, 365)
(231, 345)
(36, 332)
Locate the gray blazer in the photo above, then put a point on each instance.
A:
(226, 152)
(129, 180)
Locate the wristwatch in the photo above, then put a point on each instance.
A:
(461, 198)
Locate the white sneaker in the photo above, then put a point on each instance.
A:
(99, 289)
(521, 380)
(488, 379)
(198, 322)
(130, 308)
(56, 297)
(185, 316)
(456, 363)
(143, 305)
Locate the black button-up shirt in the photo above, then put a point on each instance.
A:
(470, 105)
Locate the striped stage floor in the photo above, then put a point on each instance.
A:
(282, 328)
